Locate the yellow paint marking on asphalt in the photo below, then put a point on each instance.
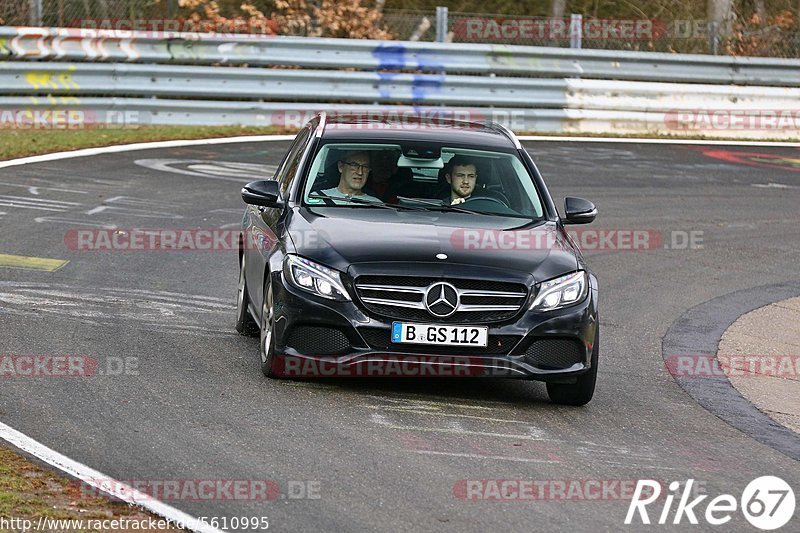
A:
(31, 263)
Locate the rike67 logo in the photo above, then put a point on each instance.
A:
(768, 503)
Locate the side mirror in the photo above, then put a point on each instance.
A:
(578, 211)
(262, 192)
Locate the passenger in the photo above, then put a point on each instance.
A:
(462, 177)
(354, 171)
(384, 168)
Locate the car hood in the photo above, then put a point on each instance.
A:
(366, 240)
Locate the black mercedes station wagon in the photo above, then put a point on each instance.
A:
(411, 248)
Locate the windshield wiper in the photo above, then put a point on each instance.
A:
(441, 206)
(361, 201)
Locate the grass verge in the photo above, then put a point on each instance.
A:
(31, 492)
(21, 143)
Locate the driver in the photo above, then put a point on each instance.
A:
(354, 170)
(462, 177)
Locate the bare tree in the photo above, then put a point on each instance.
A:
(102, 6)
(761, 11)
(720, 13)
(557, 9)
(314, 29)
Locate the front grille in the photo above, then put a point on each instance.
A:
(315, 340)
(402, 297)
(421, 315)
(554, 354)
(379, 339)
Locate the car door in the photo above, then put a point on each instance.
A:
(264, 227)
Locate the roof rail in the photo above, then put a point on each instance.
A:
(490, 124)
(323, 119)
(505, 131)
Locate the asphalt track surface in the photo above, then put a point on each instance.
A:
(387, 453)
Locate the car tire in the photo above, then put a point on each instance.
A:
(267, 342)
(245, 324)
(581, 392)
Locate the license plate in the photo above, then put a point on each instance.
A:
(403, 332)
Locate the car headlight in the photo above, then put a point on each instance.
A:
(561, 292)
(315, 278)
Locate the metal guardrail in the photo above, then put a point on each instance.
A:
(672, 97)
(257, 50)
(21, 78)
(165, 81)
(70, 112)
(122, 112)
(108, 79)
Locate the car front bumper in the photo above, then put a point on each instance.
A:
(315, 337)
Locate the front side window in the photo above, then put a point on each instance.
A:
(422, 177)
(288, 167)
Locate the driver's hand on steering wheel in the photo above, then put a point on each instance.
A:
(458, 201)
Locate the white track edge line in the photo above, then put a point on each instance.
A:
(84, 152)
(100, 482)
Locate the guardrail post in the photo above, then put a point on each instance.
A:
(576, 31)
(713, 37)
(35, 12)
(441, 24)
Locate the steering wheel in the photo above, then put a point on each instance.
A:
(492, 196)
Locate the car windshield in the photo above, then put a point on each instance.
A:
(422, 177)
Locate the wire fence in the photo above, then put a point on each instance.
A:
(646, 35)
(675, 36)
(77, 13)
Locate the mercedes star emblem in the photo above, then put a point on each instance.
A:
(441, 300)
